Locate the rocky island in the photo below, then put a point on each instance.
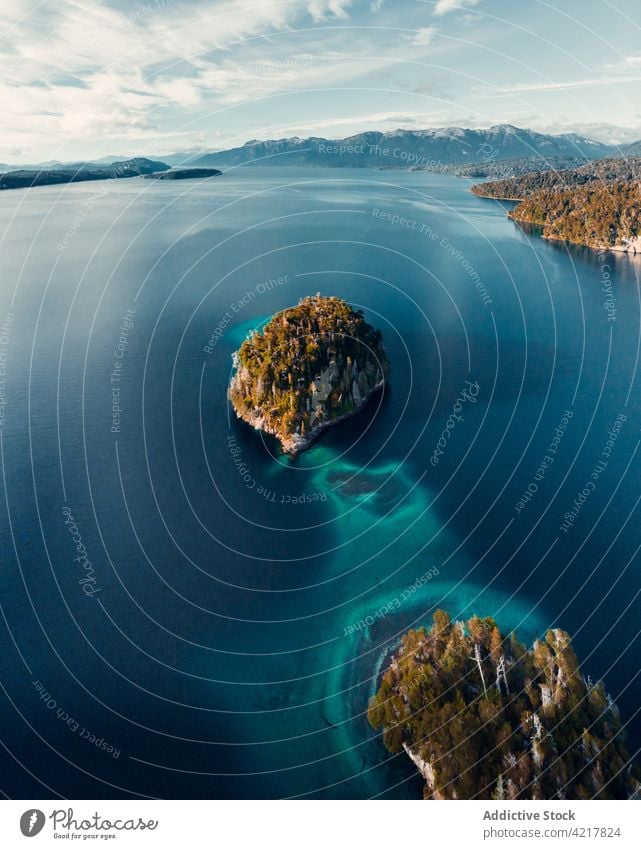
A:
(482, 717)
(312, 366)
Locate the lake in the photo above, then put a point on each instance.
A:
(190, 614)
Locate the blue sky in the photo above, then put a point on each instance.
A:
(82, 79)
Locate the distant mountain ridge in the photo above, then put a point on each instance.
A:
(411, 149)
(449, 149)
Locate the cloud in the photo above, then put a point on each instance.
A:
(605, 133)
(351, 125)
(562, 85)
(97, 71)
(424, 36)
(445, 6)
(233, 83)
(628, 63)
(321, 10)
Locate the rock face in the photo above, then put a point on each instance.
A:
(482, 717)
(312, 366)
(426, 771)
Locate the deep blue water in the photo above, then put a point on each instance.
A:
(218, 642)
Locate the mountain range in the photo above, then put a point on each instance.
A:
(448, 149)
(414, 149)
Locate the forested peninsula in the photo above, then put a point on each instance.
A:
(603, 216)
(597, 205)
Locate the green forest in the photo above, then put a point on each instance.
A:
(599, 215)
(312, 364)
(608, 170)
(482, 717)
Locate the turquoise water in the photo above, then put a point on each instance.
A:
(239, 603)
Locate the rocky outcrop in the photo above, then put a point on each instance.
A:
(631, 245)
(313, 366)
(425, 768)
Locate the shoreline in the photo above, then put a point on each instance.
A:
(622, 249)
(492, 197)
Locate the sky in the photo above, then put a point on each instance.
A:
(81, 79)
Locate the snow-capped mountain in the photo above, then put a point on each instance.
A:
(409, 148)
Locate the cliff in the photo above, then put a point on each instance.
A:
(481, 717)
(313, 365)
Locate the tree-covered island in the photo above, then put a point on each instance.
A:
(482, 717)
(312, 366)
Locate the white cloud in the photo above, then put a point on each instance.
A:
(342, 127)
(321, 10)
(627, 63)
(233, 83)
(92, 71)
(424, 36)
(606, 133)
(445, 6)
(559, 86)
